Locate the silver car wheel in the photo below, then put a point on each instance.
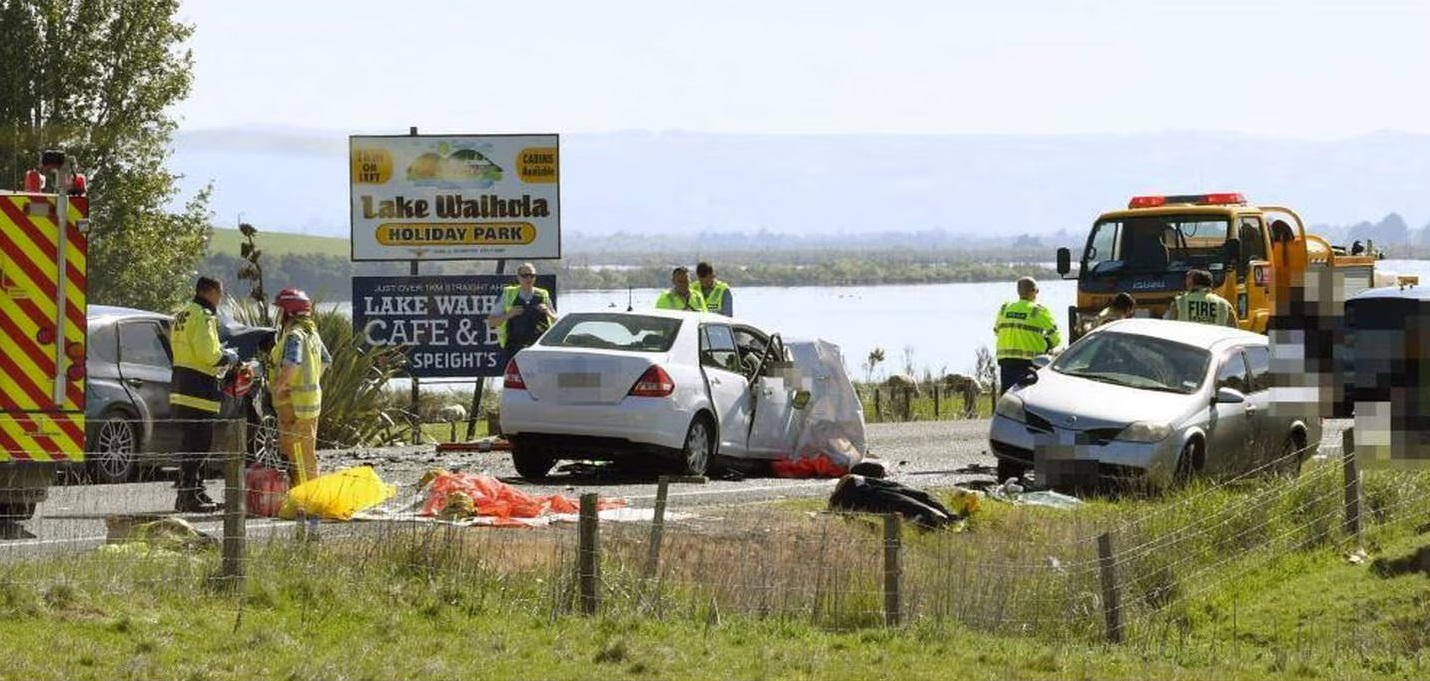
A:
(697, 447)
(115, 448)
(263, 451)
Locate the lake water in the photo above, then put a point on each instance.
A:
(938, 326)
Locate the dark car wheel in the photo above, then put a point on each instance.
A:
(531, 463)
(113, 454)
(1189, 462)
(1008, 468)
(699, 447)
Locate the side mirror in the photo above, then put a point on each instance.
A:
(1064, 261)
(1231, 253)
(1029, 378)
(1229, 396)
(1041, 361)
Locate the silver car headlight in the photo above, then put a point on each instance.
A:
(1145, 431)
(1010, 406)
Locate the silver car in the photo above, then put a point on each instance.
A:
(1150, 401)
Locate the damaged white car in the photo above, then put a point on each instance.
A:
(1151, 401)
(678, 391)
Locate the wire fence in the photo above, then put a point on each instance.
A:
(1135, 573)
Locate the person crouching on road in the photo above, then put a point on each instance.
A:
(1122, 307)
(194, 395)
(526, 313)
(716, 292)
(681, 296)
(1200, 305)
(300, 358)
(1025, 329)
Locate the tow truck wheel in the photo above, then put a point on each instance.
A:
(113, 454)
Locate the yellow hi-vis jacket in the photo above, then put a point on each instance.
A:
(715, 300)
(670, 300)
(532, 322)
(1202, 306)
(1025, 330)
(306, 393)
(197, 358)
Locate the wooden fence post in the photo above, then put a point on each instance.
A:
(589, 556)
(234, 511)
(935, 402)
(1352, 482)
(657, 528)
(893, 547)
(878, 412)
(1110, 606)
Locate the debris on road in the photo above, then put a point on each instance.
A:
(470, 499)
(873, 495)
(1012, 492)
(156, 533)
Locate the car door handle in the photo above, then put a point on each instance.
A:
(134, 382)
(715, 380)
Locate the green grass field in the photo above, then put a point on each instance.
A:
(1252, 581)
(227, 240)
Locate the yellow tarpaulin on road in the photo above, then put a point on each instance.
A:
(337, 496)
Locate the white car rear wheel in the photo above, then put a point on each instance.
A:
(699, 446)
(530, 463)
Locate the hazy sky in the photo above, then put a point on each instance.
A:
(1297, 68)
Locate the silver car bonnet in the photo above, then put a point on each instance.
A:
(1094, 404)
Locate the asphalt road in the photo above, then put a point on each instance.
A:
(930, 454)
(921, 455)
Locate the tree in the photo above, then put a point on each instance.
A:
(95, 78)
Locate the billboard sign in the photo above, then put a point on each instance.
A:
(441, 321)
(459, 197)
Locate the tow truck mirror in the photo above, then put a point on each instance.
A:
(1064, 261)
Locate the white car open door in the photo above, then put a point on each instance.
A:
(775, 423)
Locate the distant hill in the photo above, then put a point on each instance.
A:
(837, 187)
(273, 243)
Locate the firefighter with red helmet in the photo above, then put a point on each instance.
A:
(300, 358)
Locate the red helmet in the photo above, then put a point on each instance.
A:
(294, 302)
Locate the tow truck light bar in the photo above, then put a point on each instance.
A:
(1218, 199)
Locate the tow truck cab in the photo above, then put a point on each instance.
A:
(1252, 252)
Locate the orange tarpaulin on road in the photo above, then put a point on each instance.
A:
(493, 498)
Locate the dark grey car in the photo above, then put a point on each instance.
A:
(128, 364)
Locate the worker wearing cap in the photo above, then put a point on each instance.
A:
(716, 292)
(681, 296)
(1025, 329)
(526, 312)
(300, 358)
(194, 395)
(1200, 305)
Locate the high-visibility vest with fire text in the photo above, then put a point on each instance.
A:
(1204, 307)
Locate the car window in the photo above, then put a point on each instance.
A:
(609, 331)
(717, 348)
(142, 343)
(1137, 361)
(103, 344)
(1232, 372)
(1259, 359)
